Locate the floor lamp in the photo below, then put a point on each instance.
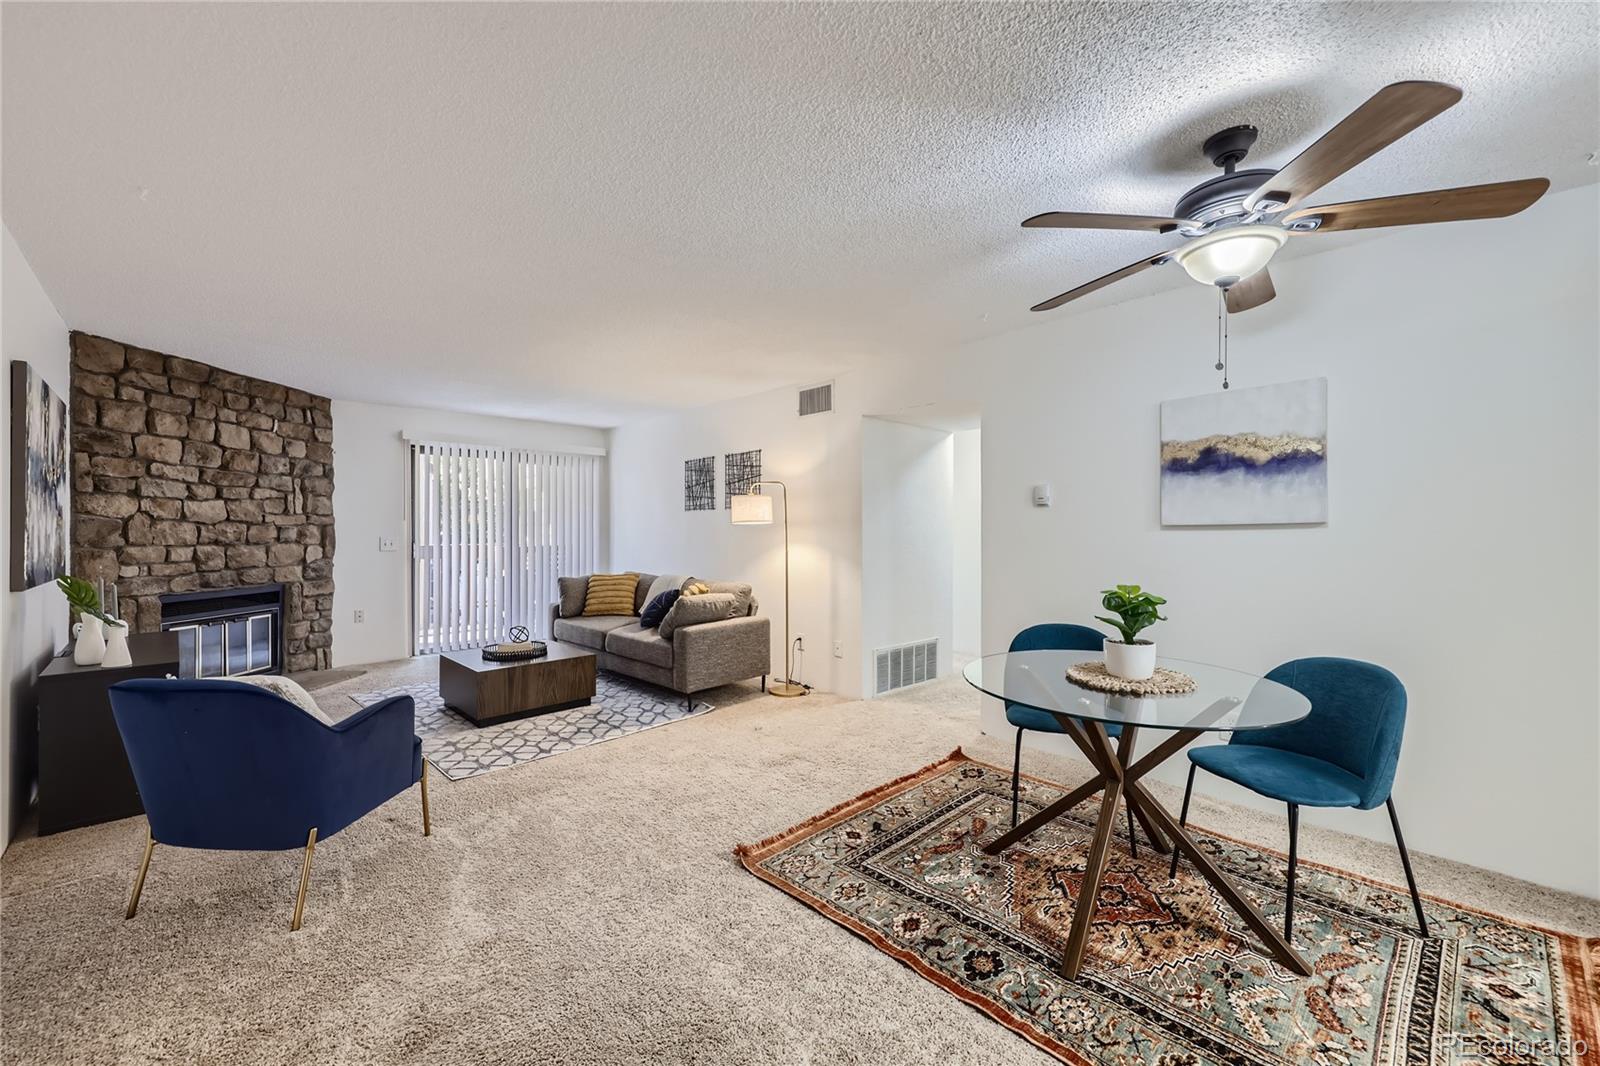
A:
(754, 509)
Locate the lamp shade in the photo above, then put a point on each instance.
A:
(751, 510)
(1234, 253)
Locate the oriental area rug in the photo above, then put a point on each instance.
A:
(1171, 976)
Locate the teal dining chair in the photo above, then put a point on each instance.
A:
(1051, 636)
(1343, 754)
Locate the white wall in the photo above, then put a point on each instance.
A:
(369, 502)
(33, 626)
(1462, 539)
(1462, 375)
(817, 456)
(966, 530)
(907, 548)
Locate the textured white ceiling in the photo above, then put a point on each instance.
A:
(587, 212)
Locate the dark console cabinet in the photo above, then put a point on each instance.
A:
(84, 777)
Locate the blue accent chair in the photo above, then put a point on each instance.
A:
(1051, 636)
(229, 766)
(1341, 755)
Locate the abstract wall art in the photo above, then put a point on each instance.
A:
(741, 470)
(39, 461)
(700, 484)
(1246, 457)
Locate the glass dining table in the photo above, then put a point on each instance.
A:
(1223, 700)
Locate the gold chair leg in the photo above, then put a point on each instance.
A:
(144, 868)
(427, 823)
(305, 880)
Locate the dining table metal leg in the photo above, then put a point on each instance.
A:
(1089, 891)
(1125, 756)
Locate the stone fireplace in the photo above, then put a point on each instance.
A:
(188, 478)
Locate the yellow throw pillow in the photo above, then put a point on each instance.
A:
(610, 594)
(696, 588)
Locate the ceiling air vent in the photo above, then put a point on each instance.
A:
(907, 664)
(816, 400)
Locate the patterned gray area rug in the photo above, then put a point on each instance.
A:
(458, 749)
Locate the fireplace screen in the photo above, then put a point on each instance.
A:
(228, 632)
(226, 649)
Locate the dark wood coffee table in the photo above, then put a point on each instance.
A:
(488, 692)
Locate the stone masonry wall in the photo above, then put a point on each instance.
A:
(187, 477)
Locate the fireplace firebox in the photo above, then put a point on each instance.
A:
(227, 632)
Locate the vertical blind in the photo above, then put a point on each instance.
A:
(491, 530)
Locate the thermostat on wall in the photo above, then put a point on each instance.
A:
(1041, 495)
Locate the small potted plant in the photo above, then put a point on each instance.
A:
(1136, 610)
(89, 647)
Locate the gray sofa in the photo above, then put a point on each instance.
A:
(697, 657)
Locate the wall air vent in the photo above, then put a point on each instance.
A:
(906, 664)
(816, 400)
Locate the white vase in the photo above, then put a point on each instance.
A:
(117, 645)
(1131, 662)
(89, 642)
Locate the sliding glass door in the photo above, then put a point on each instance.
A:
(491, 530)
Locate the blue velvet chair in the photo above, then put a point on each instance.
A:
(1341, 755)
(1051, 636)
(230, 766)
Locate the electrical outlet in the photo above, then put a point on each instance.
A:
(838, 649)
(361, 616)
(386, 544)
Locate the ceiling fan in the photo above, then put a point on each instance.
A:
(1239, 219)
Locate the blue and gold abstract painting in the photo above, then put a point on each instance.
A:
(1246, 457)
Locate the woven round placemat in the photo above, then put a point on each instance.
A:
(1163, 682)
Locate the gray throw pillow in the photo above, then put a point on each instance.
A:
(694, 610)
(739, 589)
(292, 691)
(574, 590)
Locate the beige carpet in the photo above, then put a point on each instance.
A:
(581, 909)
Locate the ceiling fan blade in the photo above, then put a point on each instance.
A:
(1391, 113)
(1250, 292)
(1090, 220)
(1441, 205)
(1099, 283)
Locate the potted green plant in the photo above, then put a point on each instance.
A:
(94, 625)
(1136, 611)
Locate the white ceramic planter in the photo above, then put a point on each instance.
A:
(1132, 662)
(117, 645)
(89, 642)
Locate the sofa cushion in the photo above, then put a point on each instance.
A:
(573, 592)
(657, 609)
(739, 588)
(589, 632)
(695, 610)
(641, 592)
(640, 644)
(610, 594)
(286, 689)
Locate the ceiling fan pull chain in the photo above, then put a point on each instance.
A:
(1222, 334)
(1222, 311)
(1224, 352)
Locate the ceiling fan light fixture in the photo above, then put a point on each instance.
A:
(1235, 252)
